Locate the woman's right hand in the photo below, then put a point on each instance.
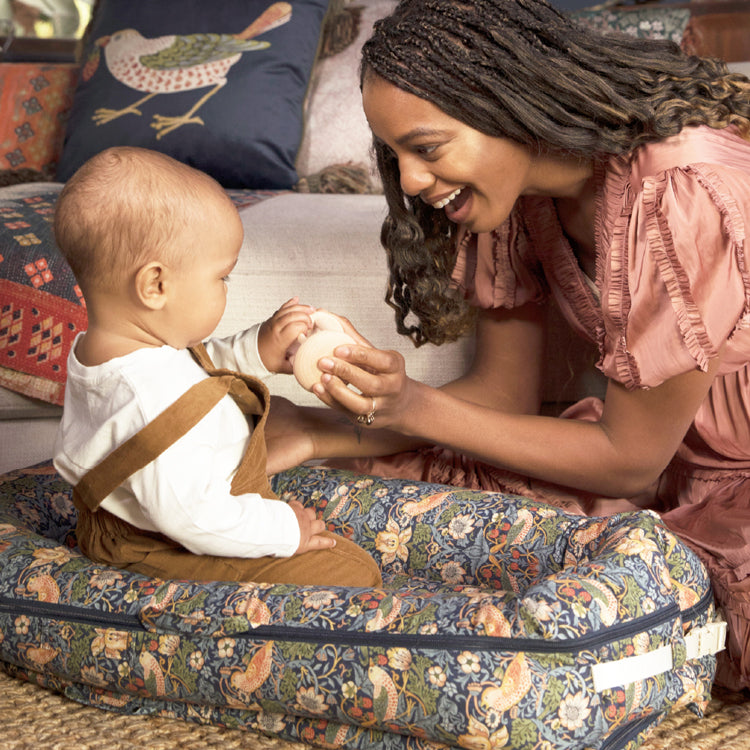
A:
(289, 436)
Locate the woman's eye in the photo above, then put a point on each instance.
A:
(226, 279)
(426, 150)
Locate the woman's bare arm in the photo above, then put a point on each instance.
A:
(620, 455)
(505, 376)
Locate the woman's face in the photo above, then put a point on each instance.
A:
(475, 178)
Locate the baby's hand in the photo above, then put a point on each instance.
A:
(278, 334)
(310, 529)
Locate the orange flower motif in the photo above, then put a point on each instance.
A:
(637, 543)
(392, 542)
(45, 555)
(309, 700)
(111, 642)
(480, 737)
(169, 644)
(399, 658)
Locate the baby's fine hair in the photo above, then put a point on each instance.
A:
(522, 70)
(124, 207)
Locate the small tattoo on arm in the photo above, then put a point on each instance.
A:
(357, 428)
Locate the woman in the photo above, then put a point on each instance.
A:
(522, 158)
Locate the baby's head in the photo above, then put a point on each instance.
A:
(127, 206)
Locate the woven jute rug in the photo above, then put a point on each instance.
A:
(32, 717)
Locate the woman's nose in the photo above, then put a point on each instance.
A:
(414, 177)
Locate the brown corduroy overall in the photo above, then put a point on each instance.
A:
(105, 538)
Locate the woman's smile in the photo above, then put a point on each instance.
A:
(458, 207)
(443, 202)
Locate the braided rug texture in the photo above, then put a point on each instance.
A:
(33, 717)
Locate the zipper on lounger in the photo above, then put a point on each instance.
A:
(620, 737)
(71, 613)
(68, 612)
(423, 640)
(699, 607)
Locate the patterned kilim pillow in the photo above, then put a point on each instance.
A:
(41, 307)
(35, 101)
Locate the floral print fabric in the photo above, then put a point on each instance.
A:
(493, 613)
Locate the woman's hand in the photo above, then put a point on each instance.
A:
(361, 380)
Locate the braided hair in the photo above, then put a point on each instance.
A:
(522, 70)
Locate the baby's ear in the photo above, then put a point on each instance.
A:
(150, 287)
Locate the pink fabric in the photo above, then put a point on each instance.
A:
(671, 271)
(674, 288)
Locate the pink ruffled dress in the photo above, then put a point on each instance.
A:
(672, 288)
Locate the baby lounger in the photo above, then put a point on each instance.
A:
(502, 623)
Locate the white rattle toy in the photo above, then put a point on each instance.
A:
(328, 333)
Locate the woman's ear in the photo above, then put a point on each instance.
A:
(150, 285)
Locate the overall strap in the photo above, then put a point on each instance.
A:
(249, 393)
(201, 356)
(253, 398)
(152, 440)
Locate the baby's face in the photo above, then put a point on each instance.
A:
(199, 294)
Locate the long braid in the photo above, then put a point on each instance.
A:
(522, 70)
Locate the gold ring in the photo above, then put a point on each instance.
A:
(369, 418)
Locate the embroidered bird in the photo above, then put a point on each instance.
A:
(515, 684)
(383, 684)
(171, 64)
(45, 587)
(493, 621)
(247, 681)
(152, 669)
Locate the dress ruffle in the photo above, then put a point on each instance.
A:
(670, 257)
(498, 268)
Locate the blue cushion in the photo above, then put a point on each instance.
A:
(179, 51)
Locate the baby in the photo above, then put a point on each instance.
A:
(161, 435)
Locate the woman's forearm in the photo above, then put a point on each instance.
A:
(619, 455)
(336, 436)
(561, 451)
(491, 414)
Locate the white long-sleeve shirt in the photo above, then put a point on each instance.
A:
(185, 492)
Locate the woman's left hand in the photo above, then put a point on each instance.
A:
(370, 385)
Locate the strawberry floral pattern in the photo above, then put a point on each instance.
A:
(493, 613)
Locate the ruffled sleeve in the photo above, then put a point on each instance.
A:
(674, 285)
(499, 268)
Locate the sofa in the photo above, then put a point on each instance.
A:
(313, 231)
